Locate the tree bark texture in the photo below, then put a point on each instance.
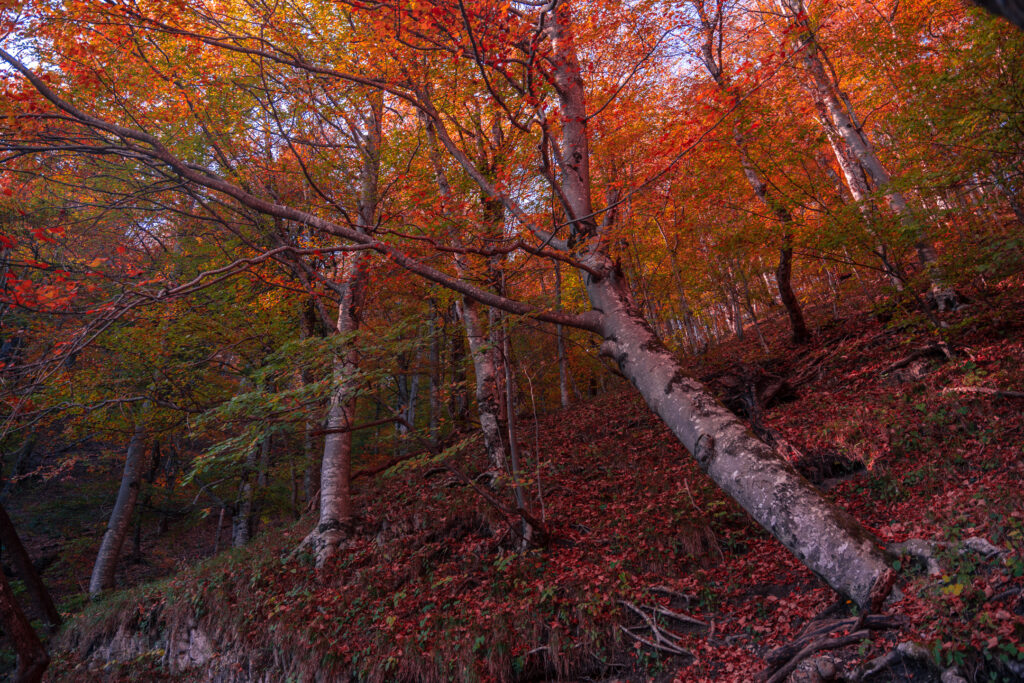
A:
(485, 368)
(825, 538)
(32, 657)
(26, 571)
(336, 510)
(120, 519)
(840, 117)
(482, 350)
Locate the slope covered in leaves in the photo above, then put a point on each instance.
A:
(649, 574)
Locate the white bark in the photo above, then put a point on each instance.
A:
(336, 511)
(487, 401)
(120, 518)
(825, 538)
(482, 351)
(837, 113)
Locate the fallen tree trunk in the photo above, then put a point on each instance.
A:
(825, 538)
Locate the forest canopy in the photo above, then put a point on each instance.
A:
(258, 255)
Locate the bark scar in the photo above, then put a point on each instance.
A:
(704, 450)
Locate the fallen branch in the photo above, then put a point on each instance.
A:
(663, 639)
(924, 551)
(1001, 393)
(668, 649)
(678, 616)
(938, 349)
(906, 650)
(665, 590)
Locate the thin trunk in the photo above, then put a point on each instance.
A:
(513, 444)
(336, 513)
(783, 273)
(120, 518)
(749, 304)
(311, 477)
(220, 527)
(32, 657)
(26, 571)
(783, 279)
(311, 463)
(243, 517)
(434, 422)
(171, 478)
(154, 467)
(838, 111)
(336, 466)
(563, 364)
(834, 288)
(696, 340)
(22, 460)
(487, 400)
(482, 349)
(459, 399)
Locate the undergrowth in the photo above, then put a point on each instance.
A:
(432, 585)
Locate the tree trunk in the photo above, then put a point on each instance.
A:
(783, 273)
(32, 657)
(563, 363)
(459, 399)
(783, 276)
(840, 116)
(336, 512)
(487, 401)
(434, 421)
(308, 328)
(513, 445)
(154, 467)
(120, 519)
(26, 571)
(825, 538)
(482, 349)
(22, 462)
(336, 466)
(246, 510)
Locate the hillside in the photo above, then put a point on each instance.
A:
(649, 574)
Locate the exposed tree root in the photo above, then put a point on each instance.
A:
(906, 651)
(816, 645)
(925, 551)
(815, 637)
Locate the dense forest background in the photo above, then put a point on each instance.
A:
(469, 340)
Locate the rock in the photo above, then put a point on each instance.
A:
(952, 676)
(982, 546)
(826, 669)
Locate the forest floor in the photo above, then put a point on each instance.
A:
(649, 574)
